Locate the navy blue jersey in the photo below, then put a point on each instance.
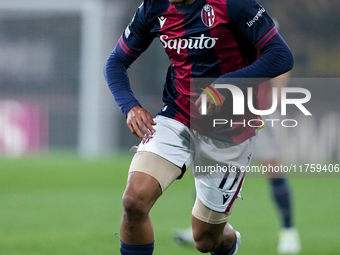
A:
(206, 39)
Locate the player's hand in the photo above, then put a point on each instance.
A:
(140, 122)
(211, 106)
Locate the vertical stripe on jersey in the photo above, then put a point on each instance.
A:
(226, 58)
(229, 59)
(174, 29)
(205, 57)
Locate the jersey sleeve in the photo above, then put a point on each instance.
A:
(252, 20)
(134, 40)
(136, 37)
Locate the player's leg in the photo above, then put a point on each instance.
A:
(218, 182)
(141, 193)
(281, 194)
(211, 231)
(267, 152)
(146, 182)
(289, 240)
(184, 236)
(157, 163)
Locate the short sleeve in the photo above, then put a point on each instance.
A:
(251, 20)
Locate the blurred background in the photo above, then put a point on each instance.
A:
(54, 101)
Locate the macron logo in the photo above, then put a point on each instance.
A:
(225, 198)
(161, 21)
(250, 23)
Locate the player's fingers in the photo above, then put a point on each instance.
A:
(210, 109)
(150, 119)
(149, 122)
(131, 128)
(137, 131)
(198, 102)
(132, 124)
(146, 131)
(217, 108)
(140, 122)
(142, 127)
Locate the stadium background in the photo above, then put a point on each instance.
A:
(64, 144)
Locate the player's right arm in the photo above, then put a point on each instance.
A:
(135, 39)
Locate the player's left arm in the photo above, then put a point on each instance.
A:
(251, 19)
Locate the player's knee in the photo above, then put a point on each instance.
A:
(204, 243)
(134, 206)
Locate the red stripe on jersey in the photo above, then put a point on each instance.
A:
(126, 49)
(173, 29)
(229, 58)
(246, 130)
(266, 38)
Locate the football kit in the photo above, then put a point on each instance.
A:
(206, 39)
(214, 39)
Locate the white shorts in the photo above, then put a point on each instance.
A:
(216, 189)
(217, 170)
(170, 141)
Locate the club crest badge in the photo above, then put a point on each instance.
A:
(208, 15)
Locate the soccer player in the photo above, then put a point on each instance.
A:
(204, 39)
